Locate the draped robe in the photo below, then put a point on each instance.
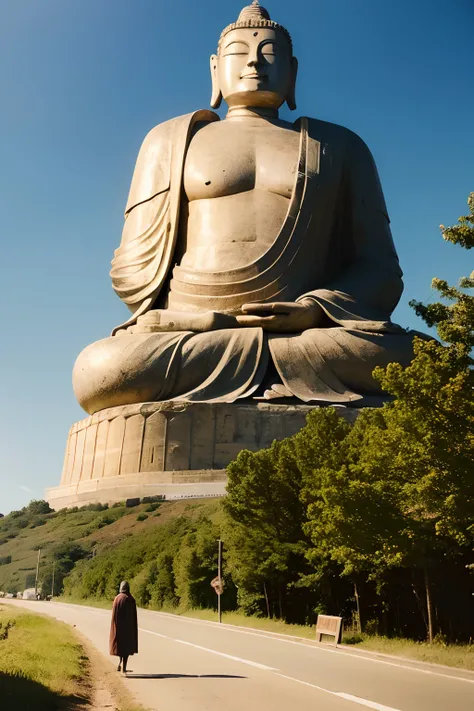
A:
(123, 637)
(334, 247)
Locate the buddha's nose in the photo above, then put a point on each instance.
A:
(253, 60)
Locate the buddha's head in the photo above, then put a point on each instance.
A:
(254, 65)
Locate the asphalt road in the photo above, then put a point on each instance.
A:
(192, 665)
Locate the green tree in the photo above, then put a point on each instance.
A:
(400, 492)
(463, 232)
(265, 538)
(195, 565)
(435, 398)
(263, 531)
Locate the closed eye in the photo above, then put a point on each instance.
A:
(269, 49)
(236, 48)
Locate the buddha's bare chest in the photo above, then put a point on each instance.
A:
(227, 159)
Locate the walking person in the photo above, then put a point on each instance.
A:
(124, 627)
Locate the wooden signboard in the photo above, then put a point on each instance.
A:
(327, 624)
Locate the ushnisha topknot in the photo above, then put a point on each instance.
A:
(255, 15)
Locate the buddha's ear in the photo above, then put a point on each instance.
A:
(216, 97)
(291, 98)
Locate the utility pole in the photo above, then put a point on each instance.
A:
(37, 573)
(52, 584)
(219, 575)
(359, 621)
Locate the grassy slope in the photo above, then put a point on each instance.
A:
(41, 662)
(80, 527)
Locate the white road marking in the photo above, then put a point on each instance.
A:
(342, 695)
(361, 657)
(365, 702)
(211, 651)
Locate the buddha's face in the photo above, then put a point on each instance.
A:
(254, 67)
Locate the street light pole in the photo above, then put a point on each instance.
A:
(219, 575)
(37, 573)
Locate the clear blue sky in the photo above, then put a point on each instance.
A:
(82, 81)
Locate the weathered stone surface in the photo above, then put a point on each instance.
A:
(169, 448)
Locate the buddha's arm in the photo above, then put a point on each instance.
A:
(163, 320)
(368, 290)
(139, 257)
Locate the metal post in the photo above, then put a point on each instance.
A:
(37, 573)
(52, 584)
(219, 575)
(359, 621)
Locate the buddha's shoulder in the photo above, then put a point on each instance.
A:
(167, 131)
(334, 133)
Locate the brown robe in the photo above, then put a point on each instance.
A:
(124, 626)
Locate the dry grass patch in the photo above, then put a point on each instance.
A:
(460, 656)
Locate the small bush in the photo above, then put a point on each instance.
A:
(5, 628)
(152, 507)
(354, 639)
(142, 517)
(94, 507)
(106, 521)
(39, 507)
(152, 499)
(16, 514)
(372, 627)
(38, 522)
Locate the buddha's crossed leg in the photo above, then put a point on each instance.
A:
(325, 365)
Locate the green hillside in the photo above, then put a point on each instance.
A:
(70, 536)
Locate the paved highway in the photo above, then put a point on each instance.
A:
(192, 665)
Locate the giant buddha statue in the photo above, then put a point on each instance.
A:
(256, 257)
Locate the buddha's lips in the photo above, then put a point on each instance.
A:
(262, 77)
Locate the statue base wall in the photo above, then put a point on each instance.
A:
(173, 449)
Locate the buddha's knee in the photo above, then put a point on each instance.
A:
(114, 371)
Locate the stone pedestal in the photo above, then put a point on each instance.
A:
(173, 449)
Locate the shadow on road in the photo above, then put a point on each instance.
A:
(184, 676)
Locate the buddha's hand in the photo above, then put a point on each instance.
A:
(162, 320)
(282, 317)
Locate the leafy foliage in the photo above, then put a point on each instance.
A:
(463, 232)
(169, 565)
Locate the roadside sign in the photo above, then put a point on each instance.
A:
(329, 625)
(218, 585)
